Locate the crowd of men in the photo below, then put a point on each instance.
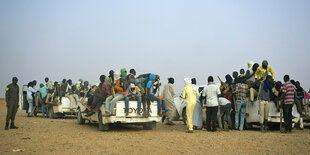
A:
(231, 98)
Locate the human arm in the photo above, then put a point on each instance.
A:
(271, 71)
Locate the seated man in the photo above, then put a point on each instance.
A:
(151, 93)
(74, 98)
(119, 95)
(132, 93)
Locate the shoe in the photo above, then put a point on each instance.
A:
(6, 126)
(106, 114)
(262, 128)
(89, 114)
(13, 126)
(139, 113)
(170, 123)
(189, 131)
(85, 111)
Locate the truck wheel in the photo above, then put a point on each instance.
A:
(184, 115)
(80, 119)
(101, 126)
(149, 125)
(51, 113)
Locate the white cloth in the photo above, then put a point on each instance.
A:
(30, 90)
(211, 91)
(187, 81)
(195, 87)
(223, 101)
(49, 85)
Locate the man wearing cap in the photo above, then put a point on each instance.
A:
(264, 70)
(133, 94)
(12, 100)
(168, 94)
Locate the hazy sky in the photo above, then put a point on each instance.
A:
(173, 38)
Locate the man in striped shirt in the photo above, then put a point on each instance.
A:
(289, 97)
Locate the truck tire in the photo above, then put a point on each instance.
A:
(80, 119)
(184, 115)
(101, 126)
(51, 113)
(149, 125)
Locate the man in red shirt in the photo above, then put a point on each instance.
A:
(289, 97)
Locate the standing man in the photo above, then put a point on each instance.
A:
(168, 94)
(289, 97)
(12, 100)
(265, 96)
(241, 91)
(211, 92)
(197, 115)
(190, 96)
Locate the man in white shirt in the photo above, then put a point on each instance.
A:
(30, 90)
(211, 92)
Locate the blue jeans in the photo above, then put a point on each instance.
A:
(110, 102)
(241, 107)
(43, 110)
(159, 101)
(139, 99)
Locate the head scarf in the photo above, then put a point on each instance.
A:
(250, 64)
(255, 66)
(123, 73)
(265, 64)
(107, 79)
(41, 85)
(152, 77)
(187, 81)
(171, 80)
(117, 76)
(228, 79)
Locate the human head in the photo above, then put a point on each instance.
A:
(64, 81)
(46, 79)
(194, 81)
(107, 79)
(102, 78)
(132, 87)
(116, 76)
(210, 79)
(123, 73)
(14, 80)
(86, 83)
(171, 80)
(235, 74)
(269, 79)
(297, 84)
(69, 82)
(265, 64)
(250, 64)
(41, 85)
(293, 82)
(29, 84)
(34, 82)
(255, 66)
(187, 81)
(228, 79)
(242, 71)
(132, 71)
(55, 83)
(152, 77)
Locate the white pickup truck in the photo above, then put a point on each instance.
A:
(54, 110)
(148, 123)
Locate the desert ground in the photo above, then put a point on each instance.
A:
(38, 135)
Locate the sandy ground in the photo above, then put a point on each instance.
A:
(65, 136)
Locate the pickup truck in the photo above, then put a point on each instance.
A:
(148, 123)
